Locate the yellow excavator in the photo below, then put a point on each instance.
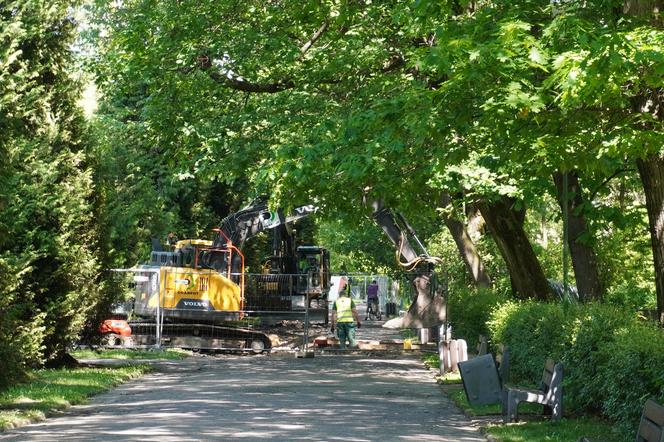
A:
(194, 295)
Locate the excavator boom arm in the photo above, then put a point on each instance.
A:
(253, 219)
(429, 307)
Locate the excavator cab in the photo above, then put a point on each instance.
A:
(314, 271)
(187, 253)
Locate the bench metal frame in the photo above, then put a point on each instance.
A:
(550, 395)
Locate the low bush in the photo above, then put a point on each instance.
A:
(469, 313)
(534, 331)
(594, 328)
(613, 360)
(633, 373)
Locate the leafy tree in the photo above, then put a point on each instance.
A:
(406, 101)
(613, 76)
(48, 241)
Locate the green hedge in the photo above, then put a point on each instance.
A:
(613, 360)
(20, 339)
(634, 372)
(594, 328)
(534, 331)
(469, 312)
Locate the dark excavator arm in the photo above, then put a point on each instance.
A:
(429, 308)
(243, 224)
(238, 227)
(385, 219)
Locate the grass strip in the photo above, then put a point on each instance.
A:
(568, 429)
(131, 354)
(431, 360)
(532, 427)
(450, 378)
(51, 390)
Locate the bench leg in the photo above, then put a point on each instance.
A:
(557, 399)
(557, 406)
(512, 414)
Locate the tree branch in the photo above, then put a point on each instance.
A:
(226, 77)
(312, 40)
(394, 62)
(241, 84)
(606, 181)
(229, 79)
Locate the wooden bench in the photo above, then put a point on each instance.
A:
(651, 427)
(482, 345)
(550, 394)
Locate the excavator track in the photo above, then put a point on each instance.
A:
(195, 336)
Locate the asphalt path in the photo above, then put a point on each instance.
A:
(355, 397)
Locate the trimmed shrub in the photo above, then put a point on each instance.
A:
(469, 313)
(534, 332)
(613, 360)
(594, 328)
(634, 372)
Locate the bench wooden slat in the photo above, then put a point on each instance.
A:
(649, 432)
(654, 412)
(549, 395)
(504, 368)
(547, 374)
(652, 423)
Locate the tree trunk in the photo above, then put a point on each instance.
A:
(466, 247)
(643, 8)
(651, 171)
(544, 232)
(651, 168)
(506, 226)
(583, 256)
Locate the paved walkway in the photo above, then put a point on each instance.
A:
(282, 398)
(373, 330)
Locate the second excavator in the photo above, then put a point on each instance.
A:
(429, 308)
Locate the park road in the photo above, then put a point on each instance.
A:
(282, 398)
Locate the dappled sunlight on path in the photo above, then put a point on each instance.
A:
(333, 398)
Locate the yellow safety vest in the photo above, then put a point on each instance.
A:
(344, 309)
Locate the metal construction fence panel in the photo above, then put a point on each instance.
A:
(181, 307)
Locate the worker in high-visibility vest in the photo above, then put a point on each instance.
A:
(344, 316)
